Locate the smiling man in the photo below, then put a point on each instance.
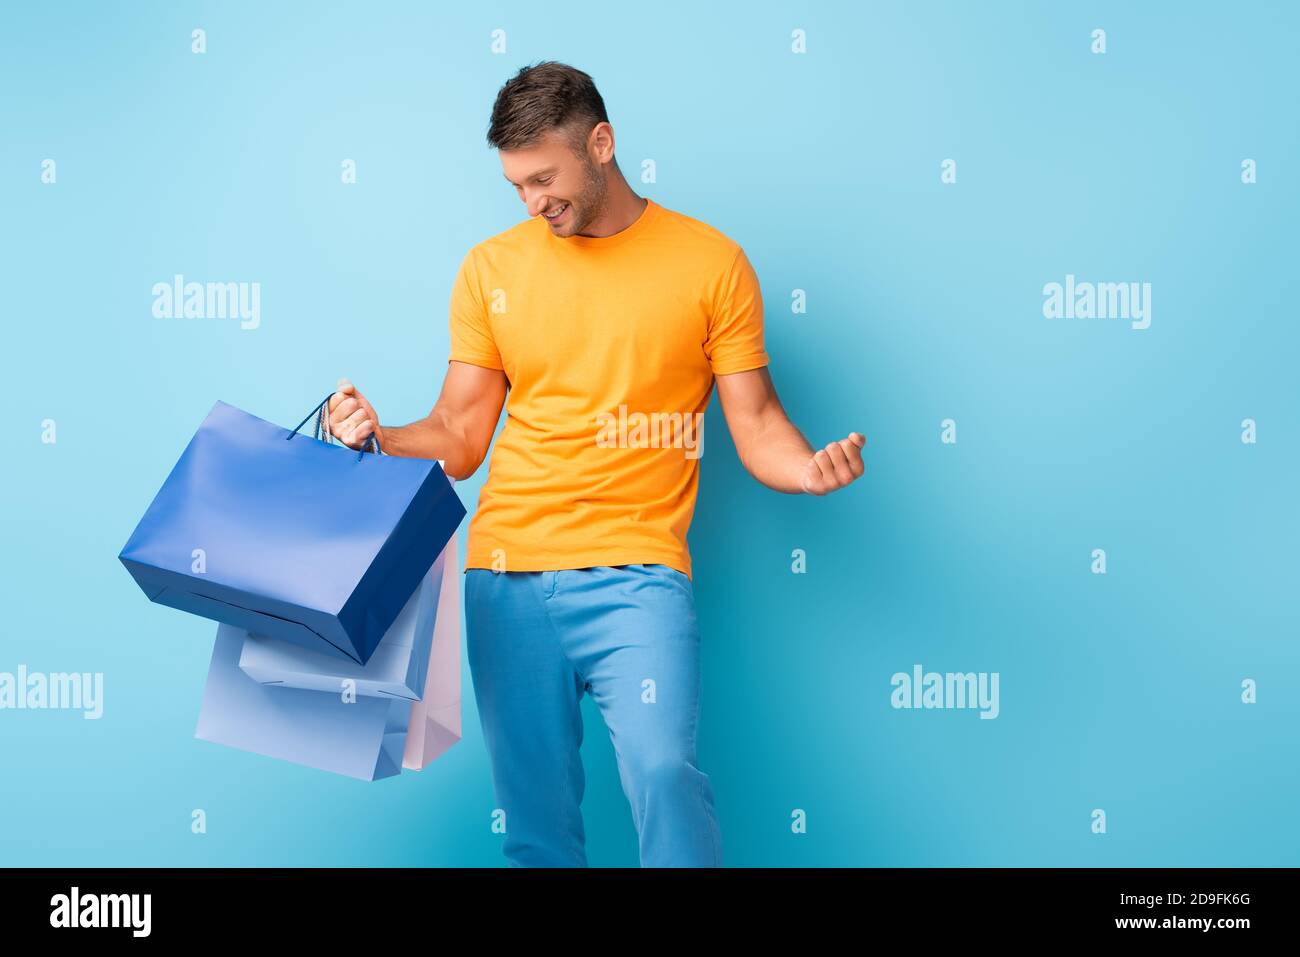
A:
(607, 319)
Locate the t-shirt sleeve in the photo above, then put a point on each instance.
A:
(471, 334)
(735, 337)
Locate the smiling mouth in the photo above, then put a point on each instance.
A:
(556, 213)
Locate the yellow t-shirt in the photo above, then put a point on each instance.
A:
(610, 345)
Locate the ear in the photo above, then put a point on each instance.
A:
(601, 142)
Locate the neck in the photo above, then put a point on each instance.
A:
(622, 208)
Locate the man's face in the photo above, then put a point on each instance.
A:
(550, 178)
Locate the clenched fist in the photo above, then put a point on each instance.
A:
(352, 417)
(835, 466)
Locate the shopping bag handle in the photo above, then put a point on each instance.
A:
(316, 411)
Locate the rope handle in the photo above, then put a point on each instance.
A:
(322, 429)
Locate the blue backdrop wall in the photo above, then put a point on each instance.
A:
(1100, 512)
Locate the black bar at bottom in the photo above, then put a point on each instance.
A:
(378, 906)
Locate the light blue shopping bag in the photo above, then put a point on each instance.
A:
(362, 738)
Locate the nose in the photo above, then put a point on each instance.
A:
(534, 202)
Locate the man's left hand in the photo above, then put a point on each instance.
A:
(835, 466)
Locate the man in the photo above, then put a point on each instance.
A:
(607, 318)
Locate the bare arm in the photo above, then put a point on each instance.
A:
(772, 449)
(458, 430)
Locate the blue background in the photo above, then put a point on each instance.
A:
(1118, 691)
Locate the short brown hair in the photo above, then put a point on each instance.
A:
(543, 97)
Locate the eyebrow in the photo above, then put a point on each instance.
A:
(539, 173)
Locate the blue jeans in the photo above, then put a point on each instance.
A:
(537, 641)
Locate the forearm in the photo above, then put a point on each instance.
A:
(776, 453)
(773, 450)
(433, 438)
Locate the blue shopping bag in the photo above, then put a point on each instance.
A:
(362, 738)
(288, 536)
(397, 669)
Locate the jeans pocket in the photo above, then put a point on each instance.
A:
(673, 574)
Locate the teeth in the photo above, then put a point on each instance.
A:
(557, 212)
